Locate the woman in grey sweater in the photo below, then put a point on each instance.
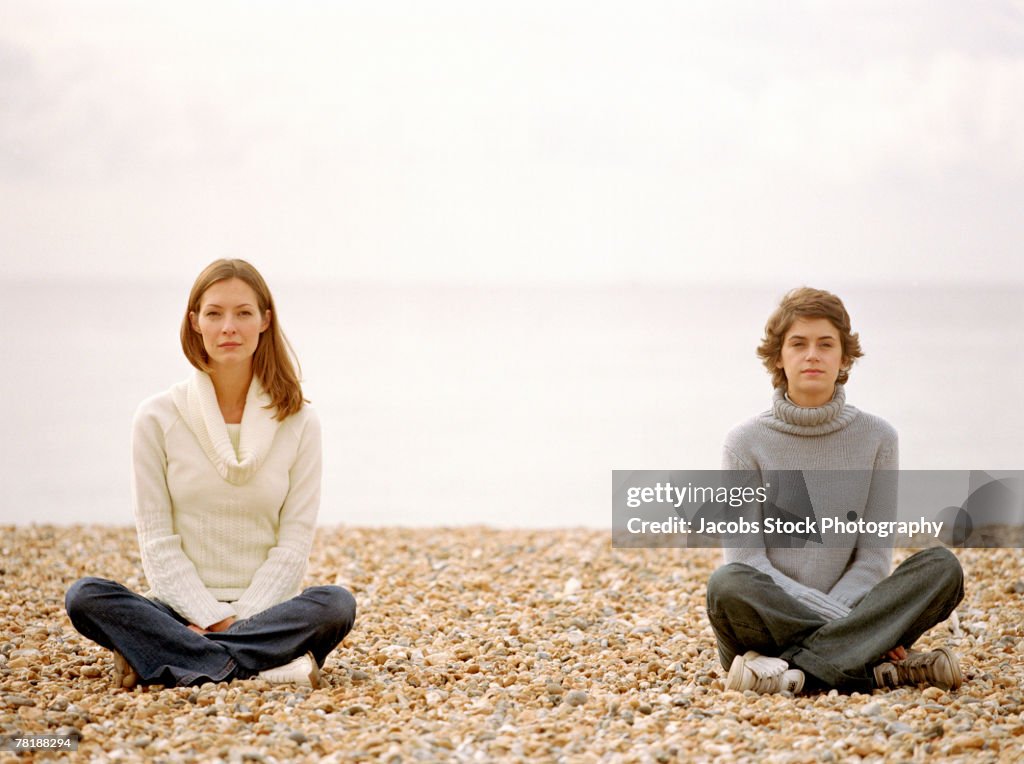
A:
(828, 614)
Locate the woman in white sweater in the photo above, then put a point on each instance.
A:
(226, 487)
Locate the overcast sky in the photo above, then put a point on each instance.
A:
(511, 142)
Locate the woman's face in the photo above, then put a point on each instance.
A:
(812, 357)
(230, 323)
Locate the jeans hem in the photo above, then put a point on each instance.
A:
(190, 678)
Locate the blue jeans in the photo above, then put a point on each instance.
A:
(749, 611)
(157, 643)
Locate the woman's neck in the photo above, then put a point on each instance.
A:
(232, 386)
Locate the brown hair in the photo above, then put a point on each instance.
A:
(274, 362)
(805, 302)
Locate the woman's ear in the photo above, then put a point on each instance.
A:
(192, 320)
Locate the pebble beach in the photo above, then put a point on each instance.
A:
(476, 645)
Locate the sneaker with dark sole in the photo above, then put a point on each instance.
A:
(124, 675)
(939, 668)
(763, 674)
(301, 671)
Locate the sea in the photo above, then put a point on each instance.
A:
(502, 406)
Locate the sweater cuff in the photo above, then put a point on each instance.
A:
(217, 614)
(824, 605)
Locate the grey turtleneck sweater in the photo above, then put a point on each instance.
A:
(831, 577)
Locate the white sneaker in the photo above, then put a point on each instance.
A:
(302, 671)
(760, 673)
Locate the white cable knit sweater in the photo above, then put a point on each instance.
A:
(833, 577)
(223, 534)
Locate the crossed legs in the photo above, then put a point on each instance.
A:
(749, 611)
(158, 644)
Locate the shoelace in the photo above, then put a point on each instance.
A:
(766, 675)
(918, 668)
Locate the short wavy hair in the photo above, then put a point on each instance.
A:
(274, 362)
(805, 302)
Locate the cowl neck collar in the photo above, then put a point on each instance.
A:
(196, 401)
(786, 416)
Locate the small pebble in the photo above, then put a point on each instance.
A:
(932, 693)
(576, 698)
(60, 703)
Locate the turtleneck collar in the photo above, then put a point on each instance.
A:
(196, 400)
(786, 416)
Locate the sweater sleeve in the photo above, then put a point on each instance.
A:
(280, 575)
(171, 574)
(756, 557)
(873, 563)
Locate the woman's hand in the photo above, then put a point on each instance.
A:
(219, 626)
(224, 625)
(898, 653)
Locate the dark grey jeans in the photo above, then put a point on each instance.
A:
(158, 644)
(749, 611)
